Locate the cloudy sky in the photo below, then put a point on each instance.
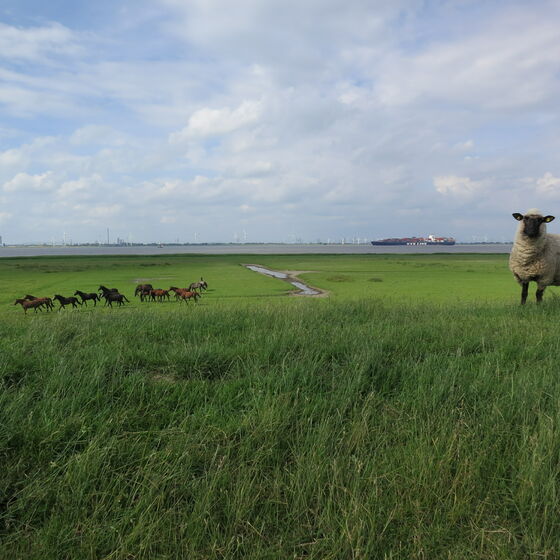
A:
(261, 120)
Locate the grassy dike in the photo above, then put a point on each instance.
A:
(274, 427)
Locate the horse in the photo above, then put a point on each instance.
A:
(177, 291)
(85, 297)
(159, 294)
(46, 300)
(106, 290)
(111, 297)
(141, 288)
(30, 304)
(145, 293)
(186, 295)
(67, 301)
(201, 285)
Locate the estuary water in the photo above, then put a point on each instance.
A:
(251, 249)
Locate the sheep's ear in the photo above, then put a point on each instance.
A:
(517, 216)
(548, 219)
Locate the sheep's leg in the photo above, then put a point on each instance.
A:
(540, 292)
(524, 292)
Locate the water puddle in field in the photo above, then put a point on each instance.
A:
(304, 289)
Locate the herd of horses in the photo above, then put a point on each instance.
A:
(146, 292)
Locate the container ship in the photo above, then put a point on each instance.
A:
(430, 240)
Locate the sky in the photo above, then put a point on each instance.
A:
(266, 121)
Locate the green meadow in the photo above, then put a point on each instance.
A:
(413, 413)
(429, 278)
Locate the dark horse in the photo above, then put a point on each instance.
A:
(111, 297)
(67, 301)
(145, 294)
(85, 297)
(106, 290)
(142, 288)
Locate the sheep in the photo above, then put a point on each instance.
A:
(535, 255)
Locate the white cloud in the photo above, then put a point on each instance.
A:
(457, 186)
(85, 187)
(25, 182)
(97, 134)
(509, 62)
(97, 212)
(214, 122)
(298, 40)
(36, 43)
(465, 146)
(242, 168)
(200, 181)
(548, 185)
(13, 158)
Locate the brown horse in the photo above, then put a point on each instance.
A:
(160, 295)
(177, 291)
(30, 304)
(187, 295)
(47, 301)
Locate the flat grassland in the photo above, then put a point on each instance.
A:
(413, 413)
(430, 278)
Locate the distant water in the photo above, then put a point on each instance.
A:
(253, 249)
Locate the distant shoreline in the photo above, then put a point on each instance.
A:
(245, 248)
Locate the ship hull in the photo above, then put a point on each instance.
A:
(412, 242)
(395, 243)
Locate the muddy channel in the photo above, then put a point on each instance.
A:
(302, 287)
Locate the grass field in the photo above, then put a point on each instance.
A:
(428, 278)
(414, 413)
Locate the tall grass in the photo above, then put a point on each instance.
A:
(324, 430)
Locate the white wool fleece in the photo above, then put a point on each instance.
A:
(536, 259)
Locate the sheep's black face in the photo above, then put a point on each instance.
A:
(532, 223)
